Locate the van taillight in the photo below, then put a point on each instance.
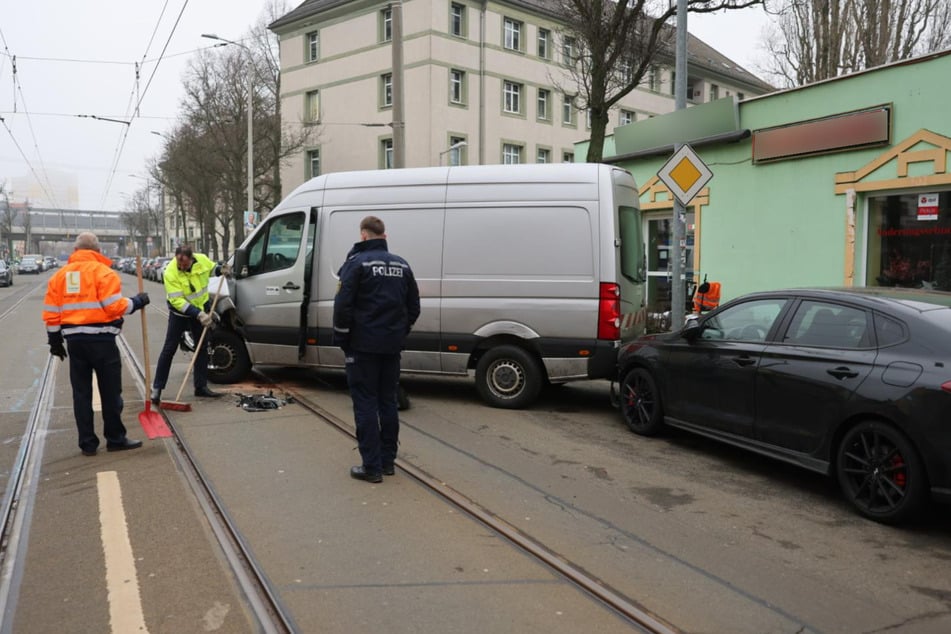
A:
(946, 386)
(609, 312)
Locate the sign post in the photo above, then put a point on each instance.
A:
(685, 175)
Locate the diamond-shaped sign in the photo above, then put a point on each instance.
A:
(685, 174)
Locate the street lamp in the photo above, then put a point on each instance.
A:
(452, 148)
(212, 36)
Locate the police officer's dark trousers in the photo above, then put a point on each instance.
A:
(102, 357)
(178, 324)
(373, 380)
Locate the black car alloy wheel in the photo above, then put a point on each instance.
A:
(880, 472)
(640, 402)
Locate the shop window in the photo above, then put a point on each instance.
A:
(910, 240)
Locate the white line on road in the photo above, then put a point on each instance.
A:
(122, 583)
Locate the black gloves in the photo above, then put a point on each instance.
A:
(140, 301)
(58, 350)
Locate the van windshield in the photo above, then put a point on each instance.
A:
(632, 244)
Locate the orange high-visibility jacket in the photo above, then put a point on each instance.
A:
(85, 297)
(702, 302)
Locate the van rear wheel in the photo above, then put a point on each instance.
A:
(228, 360)
(508, 377)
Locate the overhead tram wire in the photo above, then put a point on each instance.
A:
(125, 134)
(46, 186)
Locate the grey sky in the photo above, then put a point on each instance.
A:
(105, 39)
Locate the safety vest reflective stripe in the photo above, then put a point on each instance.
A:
(52, 329)
(197, 294)
(90, 330)
(176, 294)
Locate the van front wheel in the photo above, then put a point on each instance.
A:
(228, 360)
(508, 377)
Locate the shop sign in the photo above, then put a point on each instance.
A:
(927, 206)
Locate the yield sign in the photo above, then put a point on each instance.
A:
(685, 174)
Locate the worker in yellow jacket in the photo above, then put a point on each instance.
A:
(189, 306)
(84, 308)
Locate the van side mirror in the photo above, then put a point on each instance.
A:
(240, 266)
(692, 328)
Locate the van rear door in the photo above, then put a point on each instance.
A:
(270, 294)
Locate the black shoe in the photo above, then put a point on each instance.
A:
(389, 469)
(204, 391)
(156, 396)
(122, 446)
(89, 452)
(359, 473)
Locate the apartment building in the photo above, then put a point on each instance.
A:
(484, 82)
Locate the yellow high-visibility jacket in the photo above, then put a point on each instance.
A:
(187, 291)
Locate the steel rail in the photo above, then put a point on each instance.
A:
(264, 602)
(571, 571)
(16, 509)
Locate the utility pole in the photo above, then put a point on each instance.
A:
(678, 239)
(399, 132)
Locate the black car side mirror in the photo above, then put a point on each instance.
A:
(691, 329)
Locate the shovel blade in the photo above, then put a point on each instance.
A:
(154, 425)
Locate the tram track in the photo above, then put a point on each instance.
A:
(262, 599)
(567, 569)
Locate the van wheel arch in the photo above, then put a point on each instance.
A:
(508, 376)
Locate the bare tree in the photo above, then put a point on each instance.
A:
(141, 220)
(611, 45)
(814, 40)
(7, 215)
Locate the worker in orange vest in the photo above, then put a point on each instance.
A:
(84, 307)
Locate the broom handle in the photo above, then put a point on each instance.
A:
(201, 340)
(145, 338)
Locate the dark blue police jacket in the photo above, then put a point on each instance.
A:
(377, 301)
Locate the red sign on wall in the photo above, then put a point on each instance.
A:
(927, 206)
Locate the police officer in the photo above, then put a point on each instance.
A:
(376, 304)
(189, 304)
(84, 307)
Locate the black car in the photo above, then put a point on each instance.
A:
(854, 383)
(6, 274)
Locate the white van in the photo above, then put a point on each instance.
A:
(527, 273)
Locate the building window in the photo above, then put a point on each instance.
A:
(456, 153)
(714, 92)
(543, 155)
(457, 86)
(740, 96)
(386, 154)
(513, 34)
(673, 82)
(312, 106)
(587, 119)
(567, 157)
(457, 19)
(652, 78)
(512, 94)
(313, 163)
(313, 46)
(627, 116)
(626, 71)
(544, 107)
(386, 25)
(909, 241)
(511, 154)
(569, 51)
(386, 90)
(544, 43)
(568, 110)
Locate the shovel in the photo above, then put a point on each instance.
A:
(153, 424)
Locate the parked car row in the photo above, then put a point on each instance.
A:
(152, 268)
(855, 384)
(6, 274)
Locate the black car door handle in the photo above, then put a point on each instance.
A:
(843, 373)
(744, 360)
(291, 286)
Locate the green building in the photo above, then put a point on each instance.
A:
(845, 182)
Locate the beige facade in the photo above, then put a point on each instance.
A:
(487, 78)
